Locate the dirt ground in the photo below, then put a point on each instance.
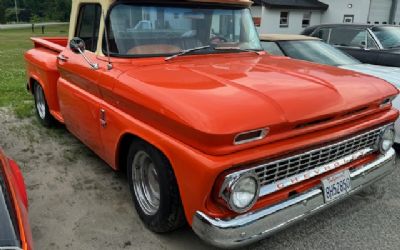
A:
(78, 202)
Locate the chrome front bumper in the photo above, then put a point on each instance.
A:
(254, 226)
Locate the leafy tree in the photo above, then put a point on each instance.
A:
(2, 11)
(34, 10)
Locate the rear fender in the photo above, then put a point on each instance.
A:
(42, 69)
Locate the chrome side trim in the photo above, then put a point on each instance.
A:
(253, 226)
(10, 248)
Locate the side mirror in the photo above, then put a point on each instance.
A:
(77, 45)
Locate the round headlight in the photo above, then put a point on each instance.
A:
(386, 139)
(244, 193)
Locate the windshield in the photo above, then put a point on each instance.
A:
(149, 30)
(316, 51)
(388, 36)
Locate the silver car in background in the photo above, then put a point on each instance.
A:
(314, 50)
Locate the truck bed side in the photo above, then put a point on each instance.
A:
(56, 44)
(41, 63)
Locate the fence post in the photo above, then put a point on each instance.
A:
(33, 28)
(42, 29)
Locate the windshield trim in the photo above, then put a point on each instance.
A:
(174, 4)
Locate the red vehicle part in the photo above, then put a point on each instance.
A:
(14, 184)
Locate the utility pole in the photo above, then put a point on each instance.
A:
(16, 10)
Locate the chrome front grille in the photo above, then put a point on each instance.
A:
(270, 173)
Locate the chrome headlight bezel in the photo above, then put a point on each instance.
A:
(229, 186)
(386, 139)
(387, 101)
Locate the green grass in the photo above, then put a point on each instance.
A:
(13, 44)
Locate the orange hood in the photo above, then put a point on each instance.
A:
(206, 100)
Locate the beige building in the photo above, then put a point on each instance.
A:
(292, 16)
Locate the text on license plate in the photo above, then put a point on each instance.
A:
(336, 185)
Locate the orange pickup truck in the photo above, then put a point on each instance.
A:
(210, 129)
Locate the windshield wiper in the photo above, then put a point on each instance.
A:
(184, 52)
(258, 52)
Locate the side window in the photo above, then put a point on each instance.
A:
(306, 19)
(323, 34)
(348, 19)
(348, 37)
(272, 48)
(88, 25)
(359, 39)
(284, 19)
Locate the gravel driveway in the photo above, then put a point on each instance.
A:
(77, 202)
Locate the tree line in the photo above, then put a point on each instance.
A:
(34, 10)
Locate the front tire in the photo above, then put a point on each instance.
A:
(154, 188)
(41, 107)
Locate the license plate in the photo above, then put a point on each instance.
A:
(336, 185)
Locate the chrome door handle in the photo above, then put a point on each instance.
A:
(62, 58)
(103, 120)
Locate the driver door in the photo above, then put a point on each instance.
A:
(77, 88)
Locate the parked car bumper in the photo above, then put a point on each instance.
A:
(253, 226)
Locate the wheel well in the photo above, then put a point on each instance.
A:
(31, 82)
(123, 150)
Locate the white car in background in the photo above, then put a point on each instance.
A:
(314, 50)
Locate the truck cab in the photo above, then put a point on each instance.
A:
(211, 130)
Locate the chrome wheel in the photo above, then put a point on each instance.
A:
(145, 183)
(40, 101)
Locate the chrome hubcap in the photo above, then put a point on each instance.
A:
(145, 183)
(40, 101)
